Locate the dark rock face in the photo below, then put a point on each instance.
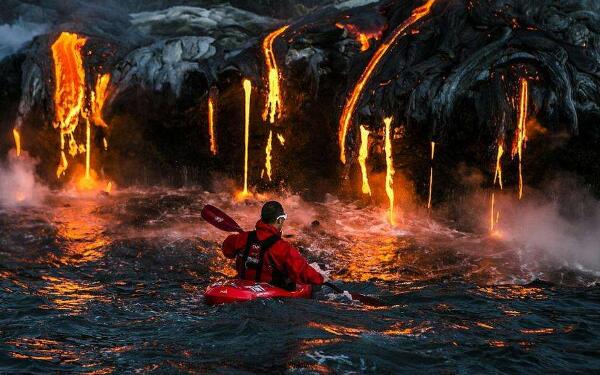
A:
(452, 77)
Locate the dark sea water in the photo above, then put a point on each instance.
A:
(113, 284)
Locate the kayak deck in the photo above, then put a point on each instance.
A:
(237, 290)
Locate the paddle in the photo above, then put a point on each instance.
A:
(221, 220)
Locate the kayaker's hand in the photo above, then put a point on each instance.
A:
(324, 273)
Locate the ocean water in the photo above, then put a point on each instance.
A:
(114, 284)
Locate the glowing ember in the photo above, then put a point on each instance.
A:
(521, 136)
(356, 93)
(99, 98)
(362, 159)
(105, 143)
(273, 102)
(17, 137)
(211, 126)
(498, 172)
(268, 150)
(281, 139)
(431, 174)
(389, 161)
(69, 92)
(247, 92)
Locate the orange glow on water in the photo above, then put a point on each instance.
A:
(211, 126)
(362, 159)
(17, 137)
(356, 92)
(247, 93)
(521, 136)
(69, 93)
(99, 97)
(389, 161)
(273, 102)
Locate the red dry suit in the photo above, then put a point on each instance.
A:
(280, 264)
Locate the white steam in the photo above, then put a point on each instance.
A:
(18, 185)
(562, 229)
(14, 36)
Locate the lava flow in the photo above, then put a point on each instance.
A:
(99, 96)
(273, 102)
(498, 170)
(211, 126)
(247, 92)
(521, 136)
(17, 137)
(268, 157)
(356, 93)
(389, 162)
(431, 174)
(69, 93)
(362, 37)
(362, 159)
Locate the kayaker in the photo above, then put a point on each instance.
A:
(262, 254)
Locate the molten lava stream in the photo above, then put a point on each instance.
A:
(17, 137)
(88, 149)
(99, 98)
(389, 161)
(273, 102)
(69, 93)
(362, 159)
(211, 126)
(247, 92)
(268, 157)
(431, 174)
(521, 136)
(356, 93)
(498, 171)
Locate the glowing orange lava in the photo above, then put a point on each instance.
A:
(69, 93)
(492, 219)
(88, 148)
(17, 137)
(389, 161)
(247, 92)
(431, 174)
(362, 37)
(362, 159)
(105, 143)
(521, 136)
(281, 139)
(356, 93)
(273, 102)
(498, 171)
(99, 96)
(268, 150)
(211, 126)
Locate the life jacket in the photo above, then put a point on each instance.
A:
(254, 263)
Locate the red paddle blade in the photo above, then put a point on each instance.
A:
(219, 219)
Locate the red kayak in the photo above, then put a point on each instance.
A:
(237, 290)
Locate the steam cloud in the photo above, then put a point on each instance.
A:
(18, 185)
(14, 36)
(562, 229)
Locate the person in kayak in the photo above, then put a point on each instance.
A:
(262, 255)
